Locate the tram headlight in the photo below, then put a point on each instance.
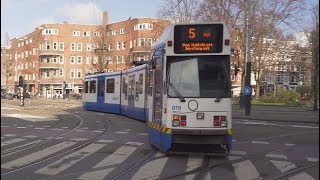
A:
(223, 123)
(175, 123)
(200, 115)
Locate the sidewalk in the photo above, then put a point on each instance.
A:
(277, 113)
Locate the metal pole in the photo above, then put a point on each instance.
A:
(21, 96)
(248, 61)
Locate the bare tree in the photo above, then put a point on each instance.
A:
(179, 11)
(267, 18)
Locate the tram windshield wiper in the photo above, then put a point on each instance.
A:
(175, 90)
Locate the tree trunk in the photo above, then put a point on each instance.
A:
(257, 89)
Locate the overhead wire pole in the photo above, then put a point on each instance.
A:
(248, 89)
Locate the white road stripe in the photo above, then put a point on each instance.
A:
(312, 127)
(38, 128)
(2, 137)
(57, 129)
(78, 130)
(245, 170)
(10, 135)
(283, 166)
(280, 156)
(4, 126)
(289, 144)
(78, 139)
(119, 156)
(151, 170)
(312, 159)
(105, 141)
(21, 127)
(37, 155)
(69, 160)
(231, 158)
(134, 143)
(96, 175)
(238, 152)
(193, 163)
(11, 141)
(30, 136)
(301, 176)
(120, 132)
(97, 131)
(143, 134)
(30, 117)
(259, 142)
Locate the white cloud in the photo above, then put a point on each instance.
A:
(84, 13)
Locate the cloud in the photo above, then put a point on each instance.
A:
(83, 13)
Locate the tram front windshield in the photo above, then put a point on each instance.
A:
(199, 76)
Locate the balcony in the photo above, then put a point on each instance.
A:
(50, 52)
(50, 66)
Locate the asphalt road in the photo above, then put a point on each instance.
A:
(58, 140)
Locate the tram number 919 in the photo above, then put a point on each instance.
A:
(176, 108)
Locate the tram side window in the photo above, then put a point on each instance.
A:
(93, 86)
(110, 85)
(101, 88)
(86, 87)
(139, 84)
(124, 87)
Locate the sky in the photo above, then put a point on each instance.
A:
(20, 17)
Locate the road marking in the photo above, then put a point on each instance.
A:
(4, 126)
(151, 170)
(105, 141)
(280, 156)
(97, 131)
(21, 127)
(96, 175)
(193, 163)
(45, 126)
(245, 170)
(10, 135)
(289, 144)
(65, 127)
(69, 160)
(303, 176)
(117, 157)
(30, 136)
(274, 124)
(37, 155)
(2, 137)
(11, 141)
(312, 159)
(134, 143)
(283, 166)
(78, 130)
(312, 127)
(120, 132)
(238, 152)
(231, 158)
(57, 129)
(78, 139)
(38, 128)
(259, 142)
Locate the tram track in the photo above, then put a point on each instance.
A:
(72, 149)
(15, 150)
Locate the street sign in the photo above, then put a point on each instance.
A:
(247, 90)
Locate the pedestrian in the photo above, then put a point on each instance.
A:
(27, 99)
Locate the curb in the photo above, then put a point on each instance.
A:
(276, 120)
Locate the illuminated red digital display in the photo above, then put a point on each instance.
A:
(200, 38)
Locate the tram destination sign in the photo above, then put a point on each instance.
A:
(200, 38)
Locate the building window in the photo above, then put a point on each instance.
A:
(48, 45)
(122, 59)
(86, 33)
(76, 33)
(118, 59)
(55, 59)
(79, 46)
(134, 43)
(110, 85)
(96, 34)
(79, 59)
(73, 46)
(110, 47)
(72, 59)
(71, 73)
(89, 47)
(86, 87)
(123, 45)
(61, 72)
(88, 60)
(61, 46)
(61, 59)
(141, 42)
(121, 31)
(118, 45)
(55, 46)
(79, 73)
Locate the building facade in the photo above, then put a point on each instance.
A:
(54, 58)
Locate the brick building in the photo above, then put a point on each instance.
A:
(54, 56)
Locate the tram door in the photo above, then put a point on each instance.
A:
(131, 93)
(157, 99)
(100, 92)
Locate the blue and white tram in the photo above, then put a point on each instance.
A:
(183, 93)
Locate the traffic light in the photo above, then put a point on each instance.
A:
(20, 80)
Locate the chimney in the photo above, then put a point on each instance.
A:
(105, 18)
